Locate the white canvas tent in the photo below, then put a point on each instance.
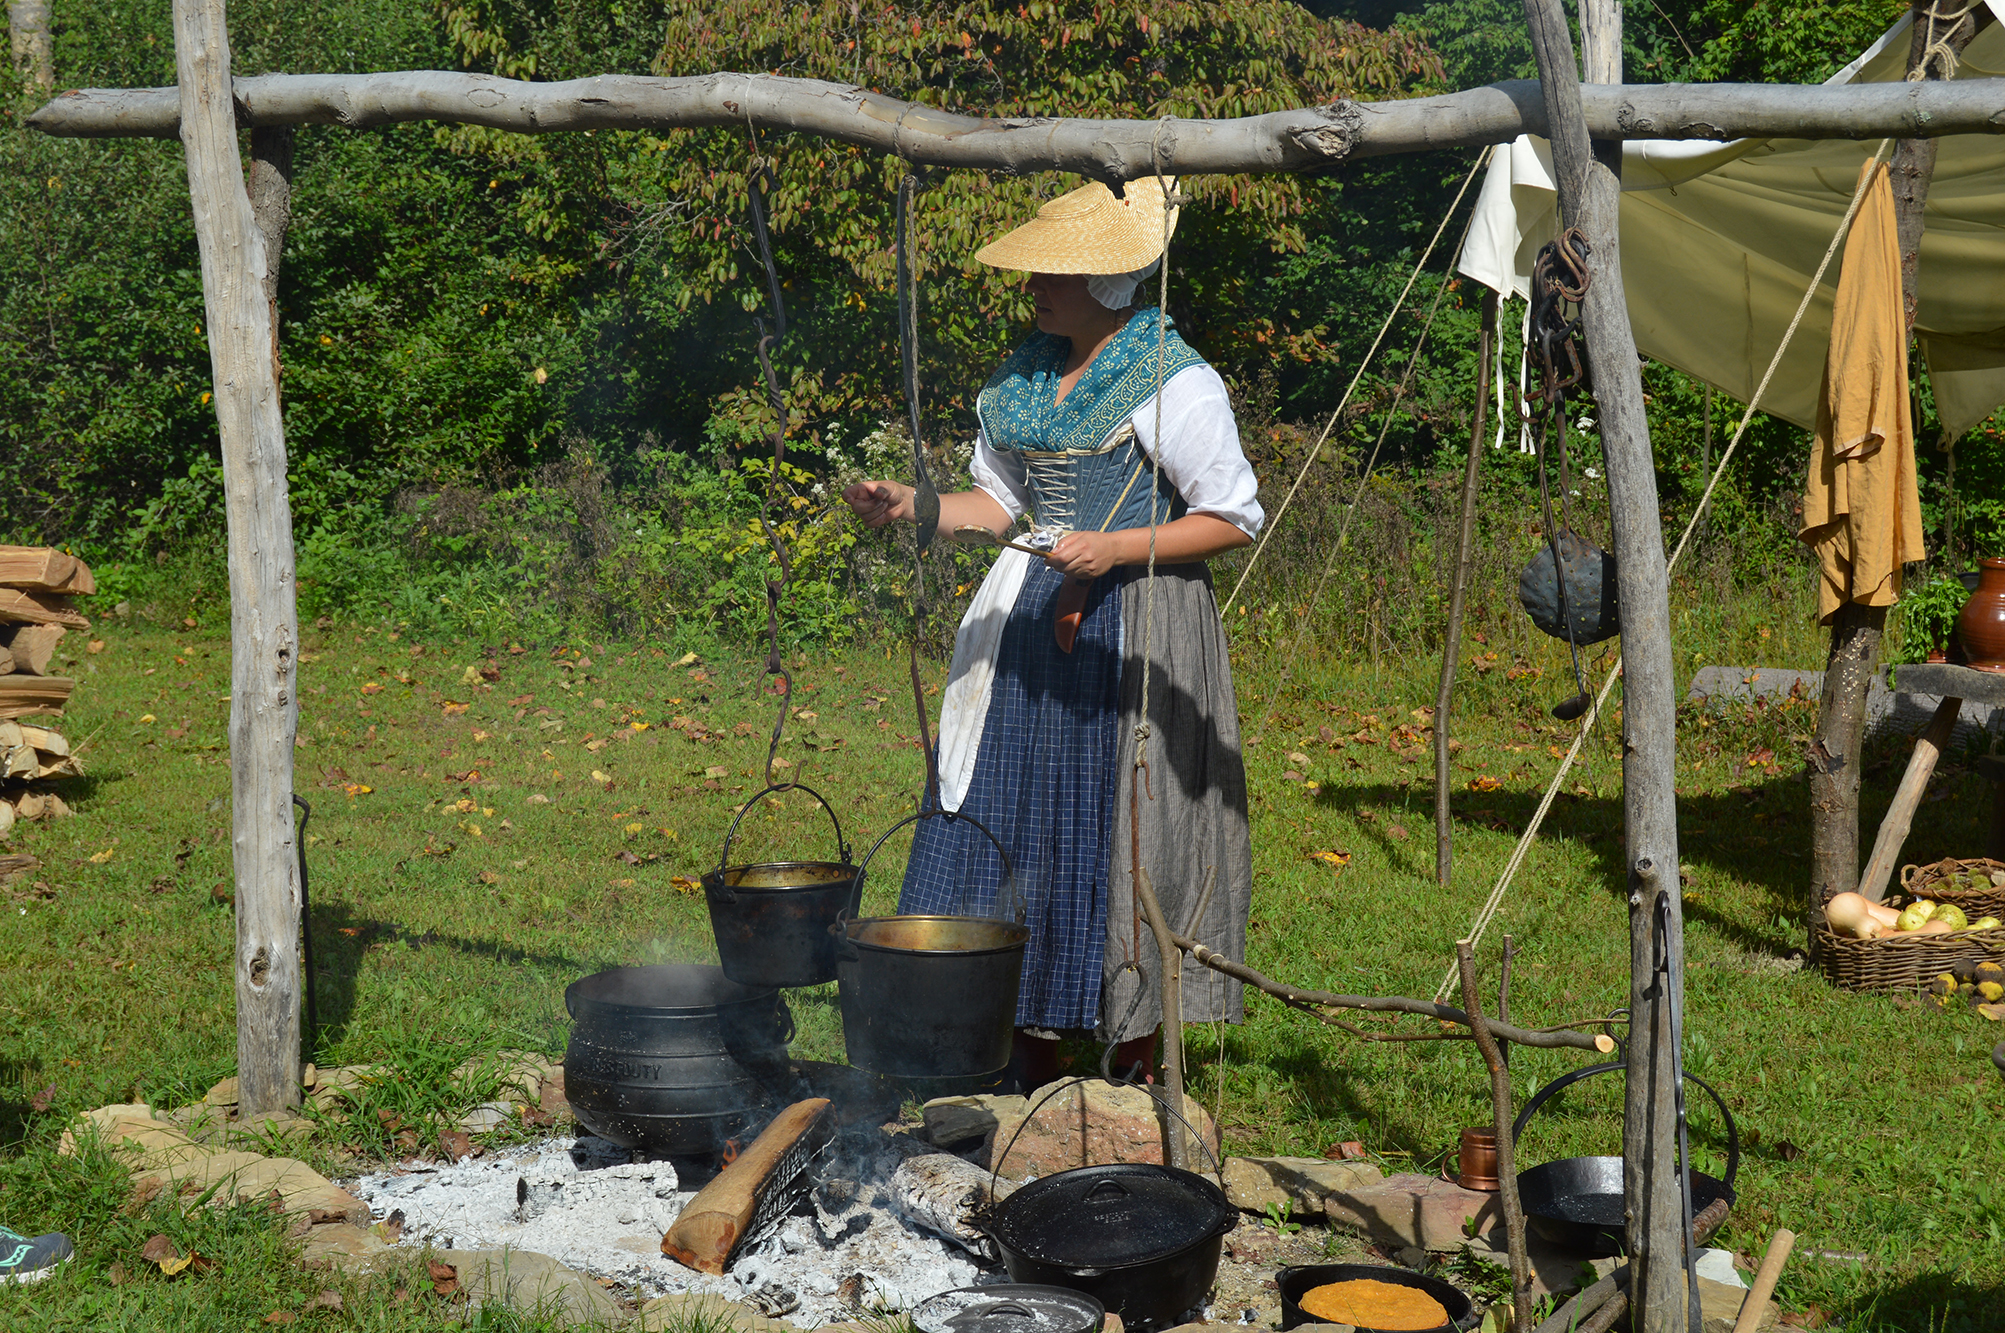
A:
(1720, 239)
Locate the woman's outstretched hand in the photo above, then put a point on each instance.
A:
(879, 502)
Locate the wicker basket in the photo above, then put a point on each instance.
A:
(1904, 961)
(1922, 882)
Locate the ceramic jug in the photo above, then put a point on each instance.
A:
(1981, 624)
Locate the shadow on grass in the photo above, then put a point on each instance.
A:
(1941, 1301)
(1757, 832)
(342, 938)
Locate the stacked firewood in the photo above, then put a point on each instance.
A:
(37, 584)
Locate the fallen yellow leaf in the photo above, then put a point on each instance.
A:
(357, 788)
(1484, 783)
(99, 858)
(146, 717)
(684, 884)
(685, 660)
(1331, 858)
(597, 776)
(634, 830)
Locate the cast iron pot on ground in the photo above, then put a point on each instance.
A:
(1143, 1240)
(1576, 1202)
(670, 1058)
(1295, 1283)
(772, 919)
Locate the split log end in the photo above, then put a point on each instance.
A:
(703, 1242)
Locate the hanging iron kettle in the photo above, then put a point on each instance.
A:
(1586, 611)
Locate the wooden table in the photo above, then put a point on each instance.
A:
(1953, 684)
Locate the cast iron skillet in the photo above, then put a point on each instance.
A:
(1576, 1202)
(1298, 1282)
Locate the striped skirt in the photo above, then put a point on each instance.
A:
(1055, 781)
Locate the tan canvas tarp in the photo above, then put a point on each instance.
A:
(1861, 512)
(1720, 239)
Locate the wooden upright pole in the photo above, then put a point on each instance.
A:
(1589, 194)
(1451, 647)
(1856, 629)
(264, 626)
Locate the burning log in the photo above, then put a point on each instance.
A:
(761, 1184)
(944, 1194)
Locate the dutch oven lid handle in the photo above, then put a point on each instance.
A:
(841, 847)
(1006, 893)
(1568, 1079)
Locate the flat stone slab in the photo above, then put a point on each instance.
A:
(1424, 1212)
(534, 1283)
(958, 1124)
(160, 1154)
(1302, 1184)
(1901, 712)
(1944, 680)
(1086, 1125)
(714, 1314)
(1720, 1304)
(347, 1247)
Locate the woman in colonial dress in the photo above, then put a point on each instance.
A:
(1044, 713)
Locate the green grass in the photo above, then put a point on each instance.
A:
(449, 913)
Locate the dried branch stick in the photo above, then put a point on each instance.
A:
(1500, 1110)
(1310, 1000)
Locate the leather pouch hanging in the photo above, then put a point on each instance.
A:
(1588, 613)
(1070, 610)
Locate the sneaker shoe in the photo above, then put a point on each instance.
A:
(31, 1258)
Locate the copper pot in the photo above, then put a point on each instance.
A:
(1478, 1160)
(1981, 624)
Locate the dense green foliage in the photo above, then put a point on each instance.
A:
(518, 380)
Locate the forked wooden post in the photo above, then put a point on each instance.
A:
(1589, 197)
(264, 625)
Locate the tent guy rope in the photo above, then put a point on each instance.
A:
(1344, 402)
(1518, 854)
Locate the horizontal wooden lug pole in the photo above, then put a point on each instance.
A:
(1109, 150)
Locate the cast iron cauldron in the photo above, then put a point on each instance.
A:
(665, 1057)
(1576, 1202)
(931, 996)
(1144, 1240)
(772, 920)
(1298, 1282)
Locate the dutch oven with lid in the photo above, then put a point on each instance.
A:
(1144, 1240)
(1010, 1307)
(1297, 1282)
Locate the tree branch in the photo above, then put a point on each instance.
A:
(1107, 150)
(1395, 1004)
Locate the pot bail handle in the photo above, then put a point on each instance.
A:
(1009, 903)
(1571, 1077)
(841, 847)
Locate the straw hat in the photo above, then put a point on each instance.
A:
(1088, 230)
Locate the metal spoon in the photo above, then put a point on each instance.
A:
(974, 534)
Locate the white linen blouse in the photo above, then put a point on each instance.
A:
(1200, 454)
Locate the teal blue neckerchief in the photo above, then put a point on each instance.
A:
(1016, 407)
